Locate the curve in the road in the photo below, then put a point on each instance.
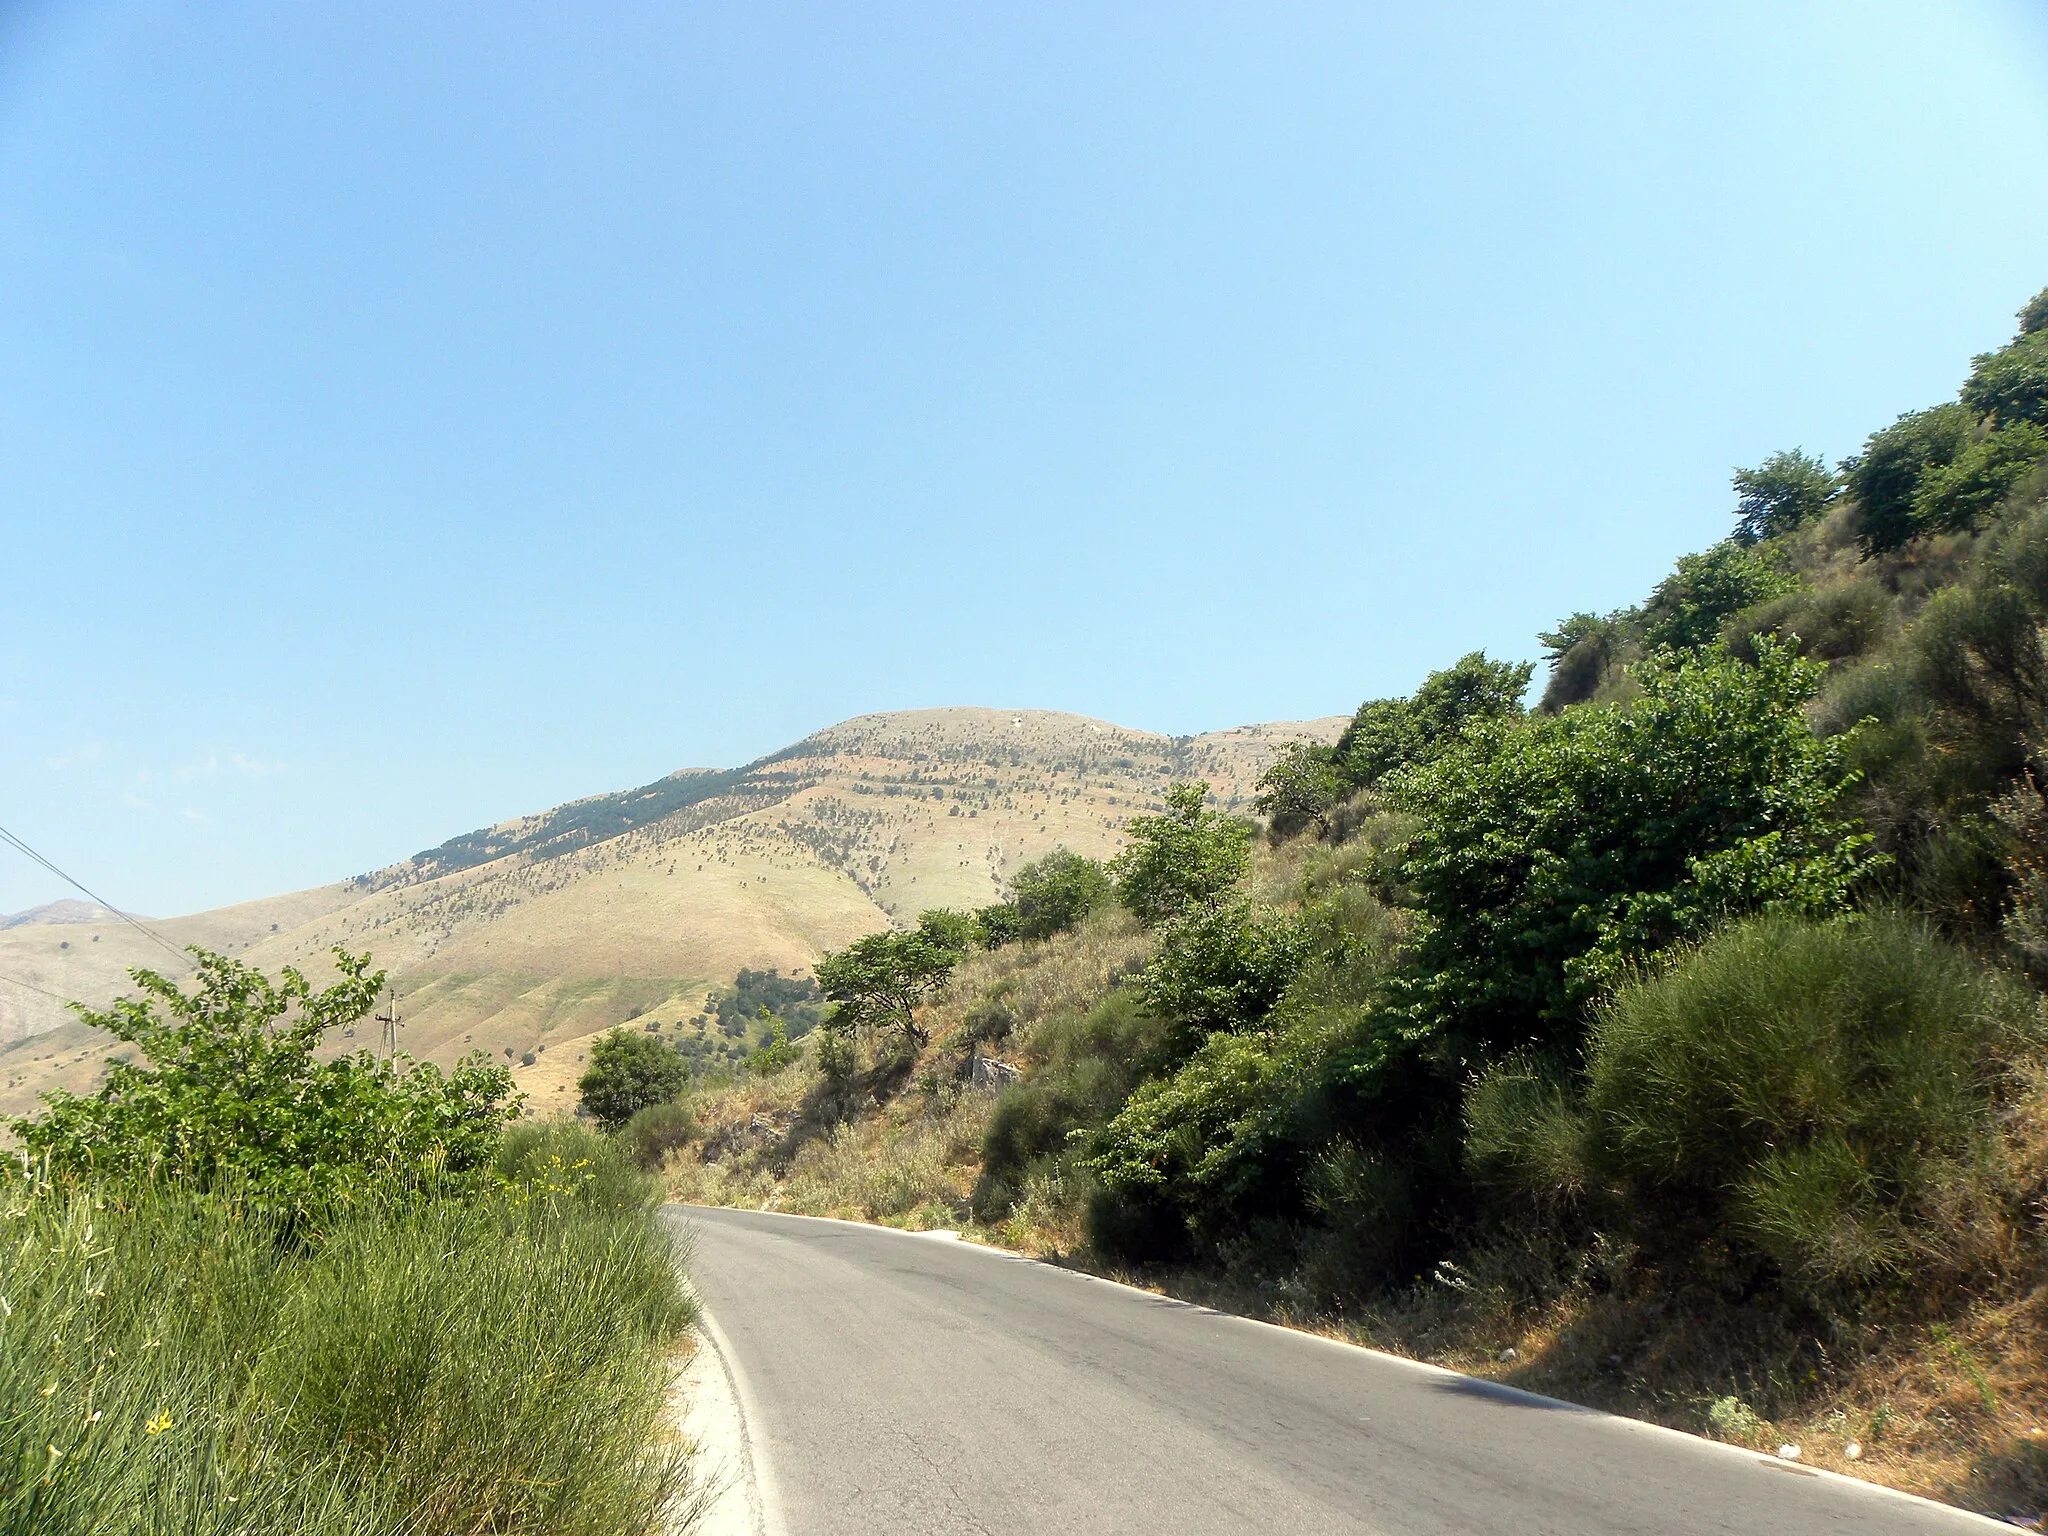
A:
(898, 1383)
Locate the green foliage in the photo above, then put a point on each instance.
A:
(1223, 967)
(1185, 858)
(1834, 621)
(793, 999)
(1053, 893)
(1390, 734)
(230, 1092)
(1690, 605)
(1828, 1093)
(629, 1071)
(1300, 790)
(1581, 649)
(1885, 477)
(1552, 853)
(2034, 317)
(998, 925)
(658, 1130)
(170, 1361)
(1785, 492)
(1957, 496)
(2011, 385)
(879, 981)
(1085, 1066)
(776, 1053)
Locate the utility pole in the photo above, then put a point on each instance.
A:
(390, 1020)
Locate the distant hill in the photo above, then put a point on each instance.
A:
(532, 935)
(60, 912)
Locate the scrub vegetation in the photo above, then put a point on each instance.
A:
(243, 1289)
(1675, 1044)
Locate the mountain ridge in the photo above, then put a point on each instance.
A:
(525, 937)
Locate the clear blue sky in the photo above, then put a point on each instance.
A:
(411, 415)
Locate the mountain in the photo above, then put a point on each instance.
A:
(59, 912)
(532, 935)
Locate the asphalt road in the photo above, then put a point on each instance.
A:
(899, 1384)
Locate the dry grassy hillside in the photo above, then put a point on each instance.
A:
(532, 936)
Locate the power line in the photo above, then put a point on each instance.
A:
(16, 843)
(16, 981)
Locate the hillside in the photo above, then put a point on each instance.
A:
(533, 934)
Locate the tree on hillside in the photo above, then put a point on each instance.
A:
(630, 1070)
(1053, 893)
(1886, 475)
(1387, 734)
(1187, 857)
(1300, 790)
(1690, 605)
(1786, 491)
(879, 981)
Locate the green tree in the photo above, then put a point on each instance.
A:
(879, 981)
(1300, 789)
(2011, 384)
(1387, 734)
(1581, 649)
(1786, 491)
(1959, 495)
(2034, 316)
(630, 1070)
(1553, 853)
(1223, 966)
(1886, 476)
(1690, 605)
(230, 1091)
(1186, 857)
(1055, 892)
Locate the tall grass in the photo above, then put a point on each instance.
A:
(174, 1362)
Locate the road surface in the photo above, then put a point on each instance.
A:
(897, 1383)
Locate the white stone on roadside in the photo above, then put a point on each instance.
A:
(1853, 1450)
(1510, 1355)
(1788, 1453)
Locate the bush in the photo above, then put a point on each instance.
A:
(1825, 1095)
(1690, 605)
(1054, 893)
(656, 1131)
(629, 1071)
(1834, 622)
(1185, 858)
(1886, 476)
(229, 1096)
(1223, 967)
(1553, 853)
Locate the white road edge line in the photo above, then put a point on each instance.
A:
(1755, 1458)
(757, 1483)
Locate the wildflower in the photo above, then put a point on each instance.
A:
(158, 1424)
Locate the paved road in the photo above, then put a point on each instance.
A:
(905, 1384)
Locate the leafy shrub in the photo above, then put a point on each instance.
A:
(628, 1072)
(1223, 967)
(1300, 790)
(1085, 1067)
(656, 1131)
(1828, 1095)
(1831, 622)
(1184, 858)
(226, 1095)
(774, 1054)
(879, 981)
(1690, 605)
(1785, 492)
(1553, 852)
(1390, 734)
(1885, 477)
(1957, 496)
